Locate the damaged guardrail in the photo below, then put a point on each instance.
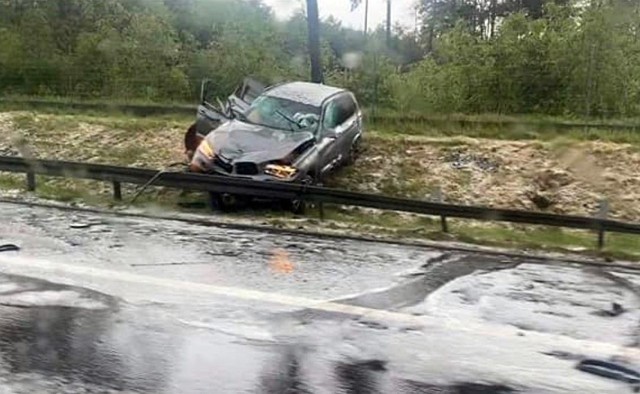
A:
(281, 190)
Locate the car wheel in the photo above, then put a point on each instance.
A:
(354, 152)
(224, 202)
(298, 206)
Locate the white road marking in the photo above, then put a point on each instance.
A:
(553, 341)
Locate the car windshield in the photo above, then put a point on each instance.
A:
(280, 113)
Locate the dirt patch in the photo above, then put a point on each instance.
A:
(95, 140)
(571, 178)
(561, 176)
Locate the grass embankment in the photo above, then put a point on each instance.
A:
(567, 170)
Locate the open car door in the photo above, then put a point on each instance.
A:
(212, 112)
(242, 98)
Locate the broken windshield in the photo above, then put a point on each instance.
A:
(283, 114)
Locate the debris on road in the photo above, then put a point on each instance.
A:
(79, 225)
(9, 248)
(609, 370)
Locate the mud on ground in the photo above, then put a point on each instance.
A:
(562, 175)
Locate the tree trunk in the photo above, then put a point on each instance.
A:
(431, 36)
(388, 23)
(366, 17)
(492, 16)
(313, 23)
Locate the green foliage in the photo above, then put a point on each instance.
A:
(556, 57)
(569, 61)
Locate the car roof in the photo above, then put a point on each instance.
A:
(304, 92)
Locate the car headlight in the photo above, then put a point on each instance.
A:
(206, 149)
(280, 171)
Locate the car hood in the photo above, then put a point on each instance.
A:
(238, 141)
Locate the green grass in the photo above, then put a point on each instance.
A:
(386, 122)
(531, 119)
(618, 246)
(506, 132)
(103, 101)
(85, 191)
(384, 113)
(121, 121)
(65, 105)
(12, 181)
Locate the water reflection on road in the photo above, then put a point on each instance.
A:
(78, 332)
(69, 339)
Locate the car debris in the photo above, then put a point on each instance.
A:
(461, 160)
(610, 370)
(293, 132)
(9, 248)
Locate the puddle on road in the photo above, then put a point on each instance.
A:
(319, 268)
(557, 299)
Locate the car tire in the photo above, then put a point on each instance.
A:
(298, 206)
(224, 202)
(354, 152)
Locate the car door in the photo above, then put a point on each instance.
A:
(208, 117)
(339, 122)
(350, 125)
(211, 115)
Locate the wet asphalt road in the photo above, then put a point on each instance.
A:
(106, 304)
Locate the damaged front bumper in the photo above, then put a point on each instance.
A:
(246, 170)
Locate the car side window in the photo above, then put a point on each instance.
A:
(347, 108)
(331, 115)
(339, 111)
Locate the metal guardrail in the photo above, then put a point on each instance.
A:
(283, 190)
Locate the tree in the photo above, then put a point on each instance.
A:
(356, 3)
(388, 23)
(313, 22)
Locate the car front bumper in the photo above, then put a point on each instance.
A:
(205, 166)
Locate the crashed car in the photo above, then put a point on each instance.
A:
(292, 132)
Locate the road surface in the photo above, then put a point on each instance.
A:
(100, 303)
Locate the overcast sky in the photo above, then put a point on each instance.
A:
(402, 11)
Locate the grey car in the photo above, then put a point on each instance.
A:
(293, 132)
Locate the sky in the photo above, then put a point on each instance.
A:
(402, 11)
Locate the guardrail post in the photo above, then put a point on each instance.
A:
(320, 203)
(117, 191)
(443, 223)
(31, 181)
(603, 212)
(437, 196)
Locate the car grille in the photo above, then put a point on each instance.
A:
(246, 169)
(222, 164)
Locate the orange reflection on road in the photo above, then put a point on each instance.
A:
(280, 262)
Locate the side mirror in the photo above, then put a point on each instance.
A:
(331, 134)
